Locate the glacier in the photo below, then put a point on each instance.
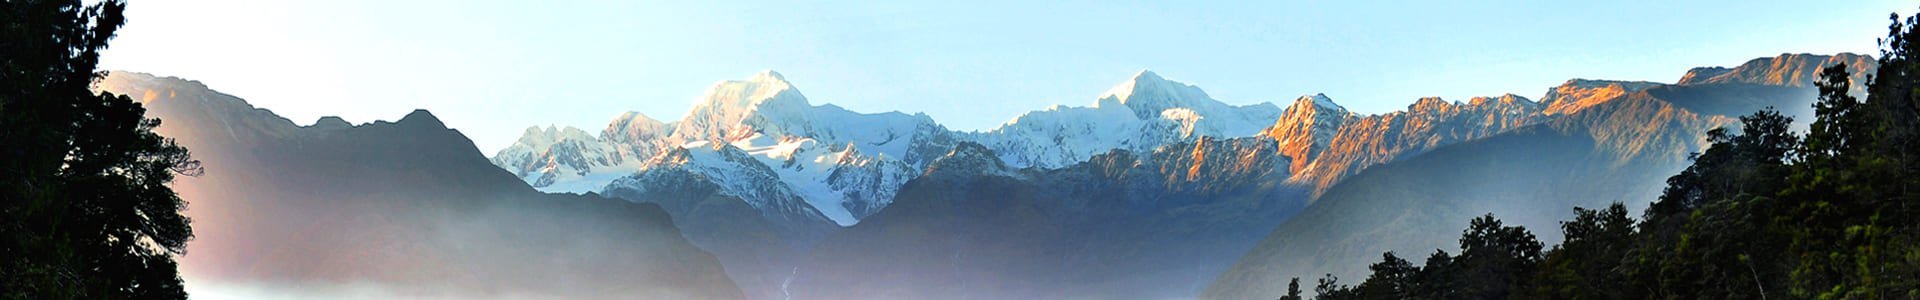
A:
(762, 140)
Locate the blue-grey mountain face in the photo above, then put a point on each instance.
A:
(1122, 225)
(399, 209)
(762, 178)
(1616, 146)
(1151, 192)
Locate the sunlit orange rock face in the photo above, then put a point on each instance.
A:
(1578, 94)
(1218, 165)
(1410, 180)
(1790, 70)
(1327, 143)
(1306, 127)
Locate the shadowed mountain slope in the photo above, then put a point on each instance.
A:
(1619, 149)
(407, 209)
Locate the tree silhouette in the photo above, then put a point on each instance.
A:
(87, 212)
(1392, 279)
(1440, 278)
(1330, 288)
(1496, 259)
(1587, 264)
(1293, 290)
(1762, 213)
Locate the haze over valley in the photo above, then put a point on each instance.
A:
(1152, 191)
(741, 149)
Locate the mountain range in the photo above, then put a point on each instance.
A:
(1618, 147)
(1155, 179)
(754, 164)
(1155, 190)
(408, 209)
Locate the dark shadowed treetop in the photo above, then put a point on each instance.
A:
(87, 212)
(1762, 213)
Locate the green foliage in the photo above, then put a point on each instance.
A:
(1496, 259)
(1392, 278)
(86, 212)
(1440, 278)
(1293, 290)
(1495, 262)
(1587, 265)
(1330, 288)
(1760, 214)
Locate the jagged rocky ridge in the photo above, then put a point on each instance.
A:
(1139, 114)
(1121, 225)
(830, 164)
(1620, 148)
(759, 176)
(846, 165)
(1330, 143)
(747, 172)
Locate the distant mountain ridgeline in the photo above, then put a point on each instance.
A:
(1120, 226)
(1153, 191)
(406, 208)
(1767, 210)
(756, 165)
(1619, 149)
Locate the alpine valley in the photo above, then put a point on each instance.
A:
(1154, 190)
(402, 209)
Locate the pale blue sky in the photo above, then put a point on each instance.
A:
(492, 68)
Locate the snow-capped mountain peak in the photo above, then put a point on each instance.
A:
(722, 112)
(1142, 79)
(557, 158)
(633, 127)
(1311, 120)
(1307, 127)
(552, 134)
(1315, 104)
(742, 95)
(633, 136)
(1320, 100)
(768, 75)
(1141, 113)
(764, 85)
(1147, 94)
(757, 139)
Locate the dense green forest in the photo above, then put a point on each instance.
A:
(1763, 213)
(85, 209)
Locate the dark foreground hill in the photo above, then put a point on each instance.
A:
(399, 209)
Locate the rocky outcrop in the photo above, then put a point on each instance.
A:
(1336, 147)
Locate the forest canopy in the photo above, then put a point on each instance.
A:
(1763, 212)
